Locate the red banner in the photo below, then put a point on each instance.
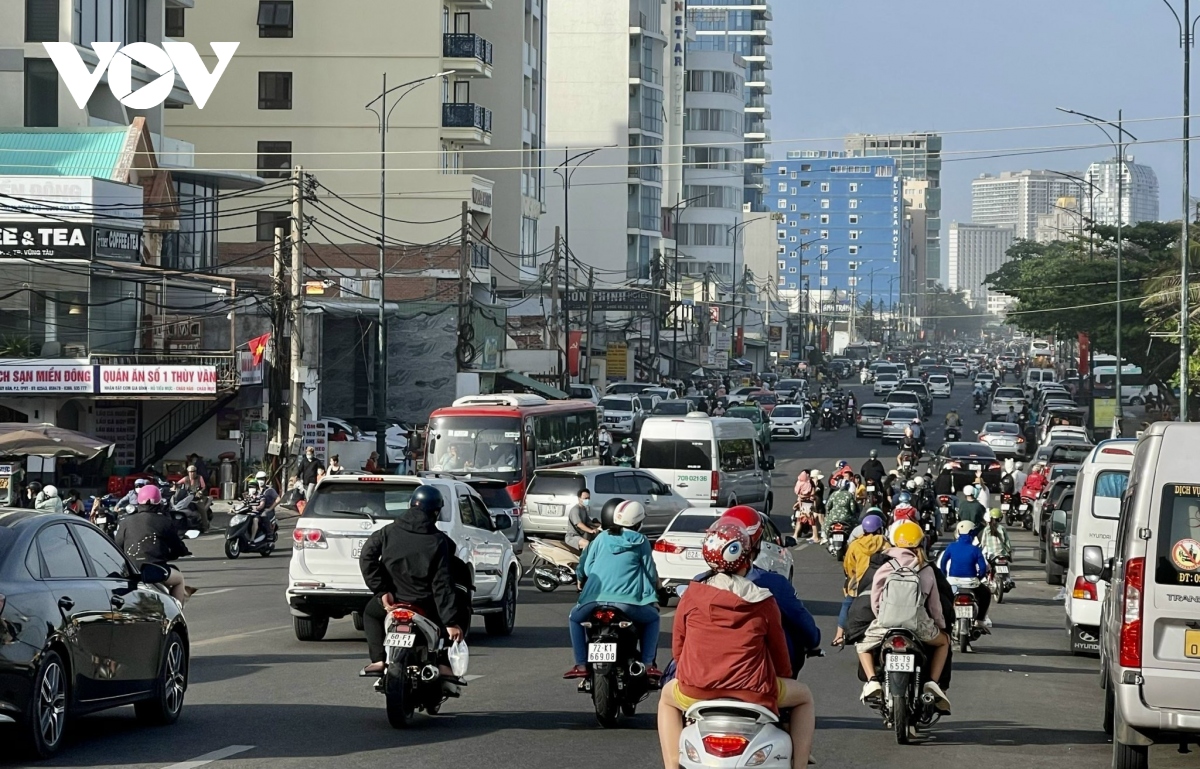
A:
(574, 338)
(1085, 357)
(739, 343)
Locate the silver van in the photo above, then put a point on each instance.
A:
(1150, 621)
(552, 493)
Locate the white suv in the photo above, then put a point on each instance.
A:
(324, 579)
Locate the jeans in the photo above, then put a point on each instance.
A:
(645, 617)
(844, 613)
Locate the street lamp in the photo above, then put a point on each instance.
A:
(1119, 145)
(383, 115)
(1093, 189)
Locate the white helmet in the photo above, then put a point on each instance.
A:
(629, 514)
(969, 490)
(260, 476)
(50, 490)
(912, 484)
(919, 481)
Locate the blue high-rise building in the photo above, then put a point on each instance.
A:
(840, 229)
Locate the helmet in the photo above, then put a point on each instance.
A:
(964, 527)
(919, 481)
(995, 514)
(872, 523)
(427, 499)
(903, 498)
(50, 490)
(749, 518)
(628, 514)
(907, 534)
(726, 546)
(911, 485)
(191, 468)
(874, 453)
(149, 495)
(260, 476)
(969, 490)
(842, 463)
(140, 482)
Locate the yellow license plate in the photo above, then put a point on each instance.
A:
(1191, 644)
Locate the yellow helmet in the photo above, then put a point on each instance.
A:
(907, 534)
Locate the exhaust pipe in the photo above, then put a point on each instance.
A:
(547, 574)
(429, 673)
(636, 668)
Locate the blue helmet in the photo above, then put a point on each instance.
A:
(427, 499)
(904, 498)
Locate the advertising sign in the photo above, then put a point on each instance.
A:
(612, 300)
(170, 380)
(46, 378)
(121, 245)
(119, 424)
(251, 372)
(618, 361)
(45, 240)
(316, 435)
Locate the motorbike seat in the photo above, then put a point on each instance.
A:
(730, 709)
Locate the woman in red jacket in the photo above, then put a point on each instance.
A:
(729, 643)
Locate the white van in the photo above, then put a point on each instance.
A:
(1098, 488)
(710, 461)
(1036, 377)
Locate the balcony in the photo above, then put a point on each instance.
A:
(641, 24)
(466, 123)
(640, 73)
(467, 54)
(474, 5)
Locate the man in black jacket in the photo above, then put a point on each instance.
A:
(873, 469)
(409, 561)
(149, 536)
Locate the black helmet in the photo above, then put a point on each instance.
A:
(428, 500)
(608, 511)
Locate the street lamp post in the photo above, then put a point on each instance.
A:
(384, 114)
(676, 211)
(1093, 189)
(1119, 145)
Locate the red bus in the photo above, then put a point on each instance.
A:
(507, 437)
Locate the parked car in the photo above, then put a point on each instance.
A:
(499, 502)
(624, 414)
(81, 630)
(680, 407)
(792, 421)
(762, 425)
(1004, 438)
(584, 392)
(870, 419)
(894, 422)
(552, 493)
(939, 385)
(962, 460)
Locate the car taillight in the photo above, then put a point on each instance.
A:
(1020, 439)
(954, 465)
(887, 423)
(1131, 619)
(310, 538)
(1084, 590)
(724, 745)
(715, 489)
(663, 546)
(994, 466)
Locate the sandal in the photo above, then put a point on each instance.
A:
(838, 643)
(366, 672)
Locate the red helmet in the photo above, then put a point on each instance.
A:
(904, 512)
(726, 546)
(749, 518)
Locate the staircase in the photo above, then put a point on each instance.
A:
(160, 438)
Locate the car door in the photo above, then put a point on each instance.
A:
(630, 487)
(83, 602)
(662, 508)
(137, 612)
(487, 553)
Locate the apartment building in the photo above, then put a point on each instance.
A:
(1137, 192)
(976, 251)
(1017, 198)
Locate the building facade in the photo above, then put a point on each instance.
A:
(976, 251)
(1140, 200)
(1017, 199)
(742, 28)
(1065, 221)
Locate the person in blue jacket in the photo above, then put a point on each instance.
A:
(963, 559)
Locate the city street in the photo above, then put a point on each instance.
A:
(260, 698)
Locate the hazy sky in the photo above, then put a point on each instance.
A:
(877, 66)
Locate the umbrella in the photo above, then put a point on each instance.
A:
(46, 440)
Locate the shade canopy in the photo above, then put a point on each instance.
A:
(18, 439)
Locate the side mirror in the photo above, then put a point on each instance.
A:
(1058, 522)
(154, 574)
(1094, 564)
(770, 463)
(502, 521)
(789, 541)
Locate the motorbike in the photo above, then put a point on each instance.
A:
(908, 462)
(606, 454)
(616, 678)
(966, 609)
(1009, 507)
(411, 680)
(949, 514)
(731, 733)
(553, 564)
(1025, 510)
(997, 579)
(904, 704)
(978, 405)
(839, 533)
(953, 434)
(104, 514)
(929, 525)
(185, 503)
(827, 418)
(237, 534)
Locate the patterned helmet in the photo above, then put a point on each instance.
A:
(748, 517)
(726, 546)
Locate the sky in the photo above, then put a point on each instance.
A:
(883, 66)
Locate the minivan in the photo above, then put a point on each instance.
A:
(1036, 377)
(1098, 487)
(710, 461)
(552, 493)
(1150, 622)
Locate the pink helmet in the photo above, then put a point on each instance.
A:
(149, 495)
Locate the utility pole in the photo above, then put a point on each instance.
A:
(276, 383)
(297, 312)
(1186, 41)
(464, 269)
(591, 298)
(552, 326)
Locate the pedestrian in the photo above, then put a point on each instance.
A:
(310, 469)
(16, 486)
(372, 464)
(335, 466)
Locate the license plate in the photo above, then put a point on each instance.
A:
(976, 468)
(964, 612)
(1001, 569)
(870, 489)
(806, 507)
(1005, 506)
(550, 509)
(693, 554)
(900, 663)
(839, 537)
(944, 510)
(400, 640)
(1191, 644)
(908, 464)
(357, 546)
(1023, 508)
(602, 652)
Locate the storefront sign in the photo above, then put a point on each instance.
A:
(315, 435)
(122, 245)
(611, 300)
(119, 424)
(251, 373)
(46, 378)
(166, 380)
(617, 364)
(45, 240)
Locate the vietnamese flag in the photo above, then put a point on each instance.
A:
(258, 346)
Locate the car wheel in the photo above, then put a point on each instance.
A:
(310, 628)
(1053, 575)
(503, 622)
(45, 720)
(357, 618)
(167, 704)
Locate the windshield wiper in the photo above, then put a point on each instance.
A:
(356, 512)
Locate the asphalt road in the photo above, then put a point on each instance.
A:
(259, 698)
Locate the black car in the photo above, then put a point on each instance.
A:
(1053, 501)
(81, 630)
(1056, 550)
(956, 464)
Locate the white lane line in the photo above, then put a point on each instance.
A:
(203, 592)
(238, 636)
(208, 758)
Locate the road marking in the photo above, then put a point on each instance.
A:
(237, 636)
(208, 758)
(469, 679)
(203, 592)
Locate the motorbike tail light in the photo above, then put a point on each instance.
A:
(944, 499)
(1084, 590)
(604, 615)
(402, 615)
(663, 546)
(964, 599)
(724, 745)
(1131, 620)
(716, 486)
(899, 643)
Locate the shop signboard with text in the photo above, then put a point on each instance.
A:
(46, 378)
(48, 239)
(161, 380)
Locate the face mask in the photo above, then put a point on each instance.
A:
(586, 502)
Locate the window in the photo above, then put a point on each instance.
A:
(824, 203)
(737, 454)
(824, 250)
(792, 223)
(175, 26)
(783, 186)
(41, 94)
(793, 190)
(805, 166)
(793, 207)
(791, 269)
(854, 218)
(793, 174)
(805, 183)
(106, 560)
(805, 215)
(1110, 485)
(854, 203)
(782, 249)
(1178, 530)
(792, 239)
(783, 170)
(782, 265)
(60, 554)
(824, 234)
(806, 231)
(824, 218)
(854, 186)
(824, 186)
(274, 90)
(649, 485)
(781, 234)
(853, 249)
(41, 21)
(274, 160)
(275, 18)
(267, 221)
(782, 203)
(854, 234)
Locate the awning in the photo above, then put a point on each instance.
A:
(540, 388)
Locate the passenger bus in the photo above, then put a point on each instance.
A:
(1133, 383)
(507, 437)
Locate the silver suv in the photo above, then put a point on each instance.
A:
(551, 494)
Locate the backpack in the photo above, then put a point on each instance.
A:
(902, 604)
(1008, 484)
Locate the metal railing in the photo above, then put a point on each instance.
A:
(466, 115)
(466, 45)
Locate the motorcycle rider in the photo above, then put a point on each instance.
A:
(842, 472)
(581, 529)
(971, 511)
(605, 441)
(953, 421)
(1035, 482)
(195, 484)
(993, 540)
(264, 507)
(903, 509)
(827, 403)
(148, 536)
(805, 494)
(929, 625)
(48, 500)
(963, 560)
(728, 642)
(1015, 478)
(908, 445)
(866, 540)
(410, 561)
(130, 498)
(840, 508)
(873, 470)
(625, 453)
(618, 570)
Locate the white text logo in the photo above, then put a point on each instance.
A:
(166, 61)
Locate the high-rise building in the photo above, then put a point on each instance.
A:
(918, 157)
(976, 251)
(1140, 200)
(1065, 221)
(741, 27)
(1017, 199)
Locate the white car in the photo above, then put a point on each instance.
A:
(791, 421)
(939, 385)
(324, 580)
(961, 367)
(678, 558)
(885, 383)
(740, 394)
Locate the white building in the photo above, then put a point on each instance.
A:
(1017, 198)
(976, 251)
(1140, 203)
(1065, 221)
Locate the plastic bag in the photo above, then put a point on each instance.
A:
(459, 657)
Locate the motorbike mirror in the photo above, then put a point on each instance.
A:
(191, 533)
(502, 521)
(154, 574)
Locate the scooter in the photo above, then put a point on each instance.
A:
(1025, 511)
(183, 503)
(904, 704)
(966, 609)
(411, 680)
(948, 511)
(237, 534)
(953, 434)
(838, 534)
(978, 405)
(997, 579)
(616, 679)
(104, 514)
(553, 564)
(1008, 507)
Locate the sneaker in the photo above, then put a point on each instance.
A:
(579, 671)
(872, 690)
(940, 702)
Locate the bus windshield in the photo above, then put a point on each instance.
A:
(489, 446)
